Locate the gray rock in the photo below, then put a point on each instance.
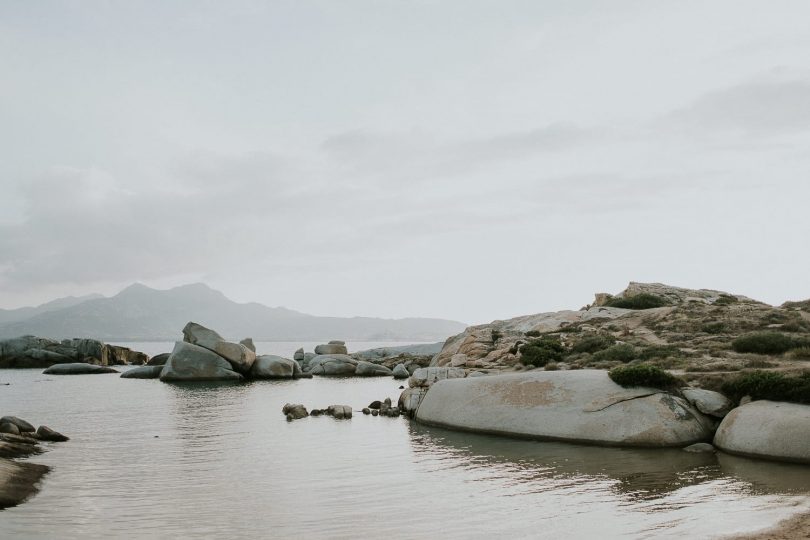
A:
(367, 369)
(708, 402)
(248, 342)
(335, 365)
(190, 362)
(44, 433)
(458, 360)
(340, 411)
(375, 404)
(331, 348)
(240, 357)
(299, 355)
(78, 369)
(143, 372)
(337, 342)
(476, 374)
(197, 334)
(303, 375)
(425, 377)
(422, 349)
(366, 410)
(158, 360)
(375, 412)
(21, 424)
(583, 406)
(8, 427)
(400, 372)
(767, 429)
(295, 411)
(410, 399)
(700, 448)
(269, 366)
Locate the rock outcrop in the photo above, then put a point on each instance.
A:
(240, 357)
(333, 347)
(334, 365)
(189, 362)
(425, 377)
(577, 406)
(143, 372)
(248, 342)
(36, 352)
(368, 369)
(767, 429)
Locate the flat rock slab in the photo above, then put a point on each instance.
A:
(767, 429)
(78, 369)
(578, 406)
(143, 372)
(18, 481)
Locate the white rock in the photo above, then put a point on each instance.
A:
(708, 402)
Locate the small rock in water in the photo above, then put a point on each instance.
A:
(21, 424)
(387, 401)
(375, 412)
(698, 448)
(315, 412)
(8, 427)
(44, 433)
(374, 404)
(294, 410)
(366, 410)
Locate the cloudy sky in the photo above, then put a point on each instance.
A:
(464, 159)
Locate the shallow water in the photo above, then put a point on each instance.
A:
(148, 459)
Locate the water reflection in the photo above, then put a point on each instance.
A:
(633, 474)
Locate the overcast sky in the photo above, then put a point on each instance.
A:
(462, 159)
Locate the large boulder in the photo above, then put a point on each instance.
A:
(189, 362)
(335, 365)
(197, 334)
(143, 372)
(400, 372)
(583, 406)
(21, 424)
(269, 366)
(240, 357)
(78, 368)
(159, 360)
(368, 369)
(299, 355)
(767, 429)
(708, 402)
(331, 348)
(425, 377)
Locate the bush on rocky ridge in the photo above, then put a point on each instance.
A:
(643, 375)
(638, 301)
(770, 385)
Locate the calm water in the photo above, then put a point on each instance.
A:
(154, 460)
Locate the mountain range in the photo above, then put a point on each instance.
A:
(140, 313)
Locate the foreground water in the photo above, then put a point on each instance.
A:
(155, 460)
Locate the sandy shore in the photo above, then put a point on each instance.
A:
(790, 529)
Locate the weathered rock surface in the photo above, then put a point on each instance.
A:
(368, 369)
(331, 348)
(410, 399)
(425, 377)
(334, 365)
(340, 411)
(78, 369)
(35, 352)
(9, 428)
(44, 433)
(189, 362)
(197, 334)
(299, 355)
(269, 366)
(767, 429)
(240, 357)
(708, 402)
(248, 342)
(400, 372)
(159, 360)
(143, 372)
(19, 481)
(578, 406)
(294, 411)
(21, 424)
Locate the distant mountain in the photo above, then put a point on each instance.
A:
(21, 314)
(140, 313)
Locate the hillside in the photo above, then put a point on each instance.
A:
(21, 314)
(139, 313)
(697, 334)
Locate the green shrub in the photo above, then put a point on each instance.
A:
(593, 343)
(659, 351)
(617, 353)
(540, 352)
(763, 343)
(769, 385)
(725, 300)
(714, 327)
(533, 333)
(800, 353)
(496, 335)
(638, 301)
(643, 375)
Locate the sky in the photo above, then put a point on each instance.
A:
(471, 160)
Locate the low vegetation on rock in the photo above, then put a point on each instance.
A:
(637, 301)
(644, 375)
(766, 343)
(770, 385)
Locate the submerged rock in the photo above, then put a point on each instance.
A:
(699, 448)
(578, 406)
(190, 362)
(340, 411)
(143, 372)
(44, 433)
(78, 369)
(767, 429)
(19, 481)
(295, 411)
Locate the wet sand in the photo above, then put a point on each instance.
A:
(790, 529)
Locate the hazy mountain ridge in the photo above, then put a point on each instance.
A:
(24, 313)
(142, 313)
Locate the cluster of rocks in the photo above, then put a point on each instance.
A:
(296, 411)
(19, 439)
(586, 406)
(37, 352)
(383, 408)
